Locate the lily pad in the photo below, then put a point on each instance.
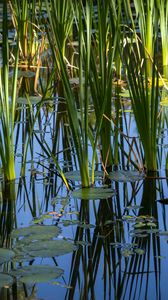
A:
(126, 176)
(36, 232)
(49, 248)
(31, 99)
(75, 175)
(6, 255)
(36, 273)
(93, 193)
(5, 280)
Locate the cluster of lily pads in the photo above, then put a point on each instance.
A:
(28, 244)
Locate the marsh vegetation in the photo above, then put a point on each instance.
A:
(83, 149)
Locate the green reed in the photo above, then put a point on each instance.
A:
(7, 102)
(143, 79)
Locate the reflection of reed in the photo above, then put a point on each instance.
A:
(139, 270)
(7, 212)
(101, 266)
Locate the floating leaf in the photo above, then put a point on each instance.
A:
(5, 280)
(49, 248)
(128, 218)
(151, 224)
(36, 232)
(36, 273)
(133, 207)
(139, 225)
(61, 285)
(139, 251)
(93, 193)
(32, 99)
(126, 176)
(6, 255)
(75, 175)
(126, 252)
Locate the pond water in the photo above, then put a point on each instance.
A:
(108, 245)
(106, 242)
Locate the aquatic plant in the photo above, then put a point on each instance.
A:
(7, 102)
(143, 82)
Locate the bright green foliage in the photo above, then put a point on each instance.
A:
(7, 104)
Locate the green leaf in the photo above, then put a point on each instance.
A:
(47, 248)
(139, 251)
(32, 99)
(36, 232)
(75, 175)
(93, 193)
(6, 255)
(36, 273)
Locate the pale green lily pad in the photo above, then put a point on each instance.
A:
(93, 193)
(75, 175)
(36, 232)
(32, 99)
(6, 255)
(50, 248)
(36, 273)
(126, 176)
(5, 280)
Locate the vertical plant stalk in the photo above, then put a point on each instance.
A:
(7, 106)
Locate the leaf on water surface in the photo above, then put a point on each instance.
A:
(75, 175)
(133, 207)
(126, 176)
(47, 248)
(60, 200)
(37, 273)
(139, 225)
(139, 251)
(61, 285)
(70, 222)
(5, 280)
(150, 224)
(36, 231)
(6, 255)
(32, 99)
(93, 193)
(126, 252)
(128, 218)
